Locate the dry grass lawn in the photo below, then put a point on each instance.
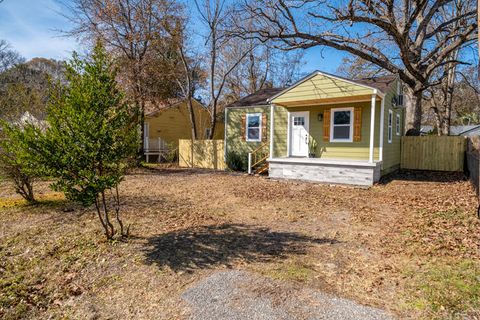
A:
(410, 245)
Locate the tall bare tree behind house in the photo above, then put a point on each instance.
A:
(129, 29)
(412, 38)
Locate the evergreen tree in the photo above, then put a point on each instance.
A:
(91, 137)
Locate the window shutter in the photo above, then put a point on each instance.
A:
(244, 127)
(326, 125)
(264, 127)
(357, 124)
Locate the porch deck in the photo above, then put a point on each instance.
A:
(336, 171)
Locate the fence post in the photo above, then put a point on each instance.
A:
(249, 163)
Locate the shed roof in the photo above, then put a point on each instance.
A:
(259, 98)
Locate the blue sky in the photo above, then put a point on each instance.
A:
(29, 26)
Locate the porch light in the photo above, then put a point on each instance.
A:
(320, 117)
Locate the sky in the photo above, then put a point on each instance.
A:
(30, 28)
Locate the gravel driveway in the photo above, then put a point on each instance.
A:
(240, 295)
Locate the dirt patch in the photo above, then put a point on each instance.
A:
(367, 245)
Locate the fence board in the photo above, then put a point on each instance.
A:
(201, 154)
(473, 163)
(443, 153)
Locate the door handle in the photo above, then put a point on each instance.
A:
(306, 139)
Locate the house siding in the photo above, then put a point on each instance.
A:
(358, 150)
(322, 87)
(173, 124)
(392, 151)
(233, 130)
(325, 149)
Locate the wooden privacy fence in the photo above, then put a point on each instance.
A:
(201, 154)
(436, 153)
(473, 163)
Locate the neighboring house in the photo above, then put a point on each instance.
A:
(467, 131)
(169, 121)
(353, 128)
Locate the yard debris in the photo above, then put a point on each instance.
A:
(193, 223)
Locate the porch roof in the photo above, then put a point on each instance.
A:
(324, 88)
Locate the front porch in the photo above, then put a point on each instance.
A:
(353, 172)
(327, 129)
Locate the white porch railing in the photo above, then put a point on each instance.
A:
(156, 147)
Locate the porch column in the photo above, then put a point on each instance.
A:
(372, 126)
(271, 130)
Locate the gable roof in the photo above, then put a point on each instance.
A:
(259, 98)
(152, 108)
(464, 130)
(380, 84)
(455, 130)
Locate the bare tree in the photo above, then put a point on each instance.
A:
(352, 67)
(213, 14)
(8, 56)
(263, 67)
(410, 38)
(129, 29)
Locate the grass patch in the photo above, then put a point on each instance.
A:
(290, 271)
(446, 289)
(52, 198)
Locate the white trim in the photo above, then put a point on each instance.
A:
(306, 115)
(289, 127)
(272, 111)
(317, 72)
(332, 117)
(259, 115)
(382, 124)
(390, 126)
(398, 123)
(247, 107)
(372, 128)
(225, 136)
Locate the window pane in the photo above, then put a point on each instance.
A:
(253, 134)
(341, 132)
(341, 117)
(299, 121)
(254, 121)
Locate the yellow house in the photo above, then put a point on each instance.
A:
(168, 122)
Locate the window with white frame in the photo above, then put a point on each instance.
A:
(390, 123)
(341, 125)
(398, 125)
(254, 127)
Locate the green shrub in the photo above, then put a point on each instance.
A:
(237, 161)
(17, 162)
(91, 137)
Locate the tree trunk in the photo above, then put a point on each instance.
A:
(192, 117)
(213, 124)
(414, 112)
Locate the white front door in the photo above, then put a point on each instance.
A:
(299, 134)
